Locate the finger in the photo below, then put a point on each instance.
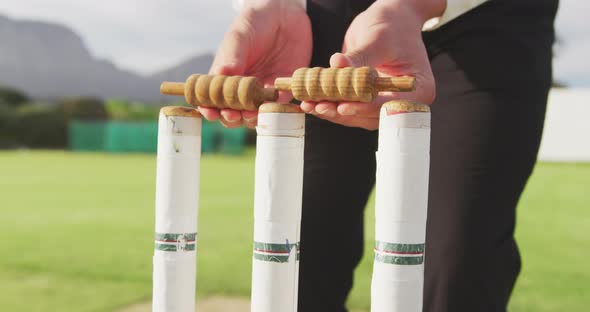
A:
(339, 60)
(250, 115)
(230, 118)
(343, 108)
(227, 69)
(231, 115)
(284, 96)
(367, 55)
(230, 124)
(326, 109)
(373, 109)
(211, 114)
(425, 91)
(250, 119)
(359, 109)
(307, 107)
(425, 88)
(251, 124)
(369, 123)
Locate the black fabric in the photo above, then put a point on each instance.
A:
(493, 71)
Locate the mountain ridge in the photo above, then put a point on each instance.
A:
(49, 60)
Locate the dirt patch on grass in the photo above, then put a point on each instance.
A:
(211, 304)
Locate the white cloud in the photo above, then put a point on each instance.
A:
(147, 35)
(142, 35)
(573, 30)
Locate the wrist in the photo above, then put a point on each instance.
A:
(424, 10)
(258, 4)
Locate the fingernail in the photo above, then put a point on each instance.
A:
(251, 119)
(348, 111)
(233, 119)
(228, 123)
(308, 109)
(229, 66)
(350, 60)
(328, 112)
(251, 123)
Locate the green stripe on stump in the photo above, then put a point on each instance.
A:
(271, 258)
(275, 247)
(175, 247)
(399, 260)
(260, 250)
(176, 236)
(392, 247)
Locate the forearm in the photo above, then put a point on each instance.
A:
(434, 13)
(423, 10)
(239, 4)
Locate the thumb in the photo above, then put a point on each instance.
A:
(232, 55)
(368, 55)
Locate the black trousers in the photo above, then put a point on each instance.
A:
(493, 72)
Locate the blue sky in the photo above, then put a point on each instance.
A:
(148, 35)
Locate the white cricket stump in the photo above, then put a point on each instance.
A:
(177, 196)
(403, 160)
(277, 207)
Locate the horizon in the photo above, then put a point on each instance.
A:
(181, 36)
(99, 58)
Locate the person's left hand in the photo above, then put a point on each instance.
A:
(387, 37)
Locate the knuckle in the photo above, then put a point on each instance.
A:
(430, 94)
(426, 89)
(358, 58)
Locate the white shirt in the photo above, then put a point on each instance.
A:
(455, 8)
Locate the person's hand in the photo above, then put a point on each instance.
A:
(268, 39)
(388, 37)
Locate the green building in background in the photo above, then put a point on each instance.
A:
(142, 137)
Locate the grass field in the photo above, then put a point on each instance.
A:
(77, 233)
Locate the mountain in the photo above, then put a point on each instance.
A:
(197, 64)
(49, 60)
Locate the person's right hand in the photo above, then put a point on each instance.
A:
(268, 39)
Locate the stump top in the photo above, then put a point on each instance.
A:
(405, 106)
(180, 111)
(279, 108)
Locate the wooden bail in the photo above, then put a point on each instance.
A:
(405, 106)
(360, 84)
(219, 91)
(395, 84)
(172, 88)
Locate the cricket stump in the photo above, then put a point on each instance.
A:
(177, 199)
(403, 160)
(277, 207)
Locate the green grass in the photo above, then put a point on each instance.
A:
(77, 233)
